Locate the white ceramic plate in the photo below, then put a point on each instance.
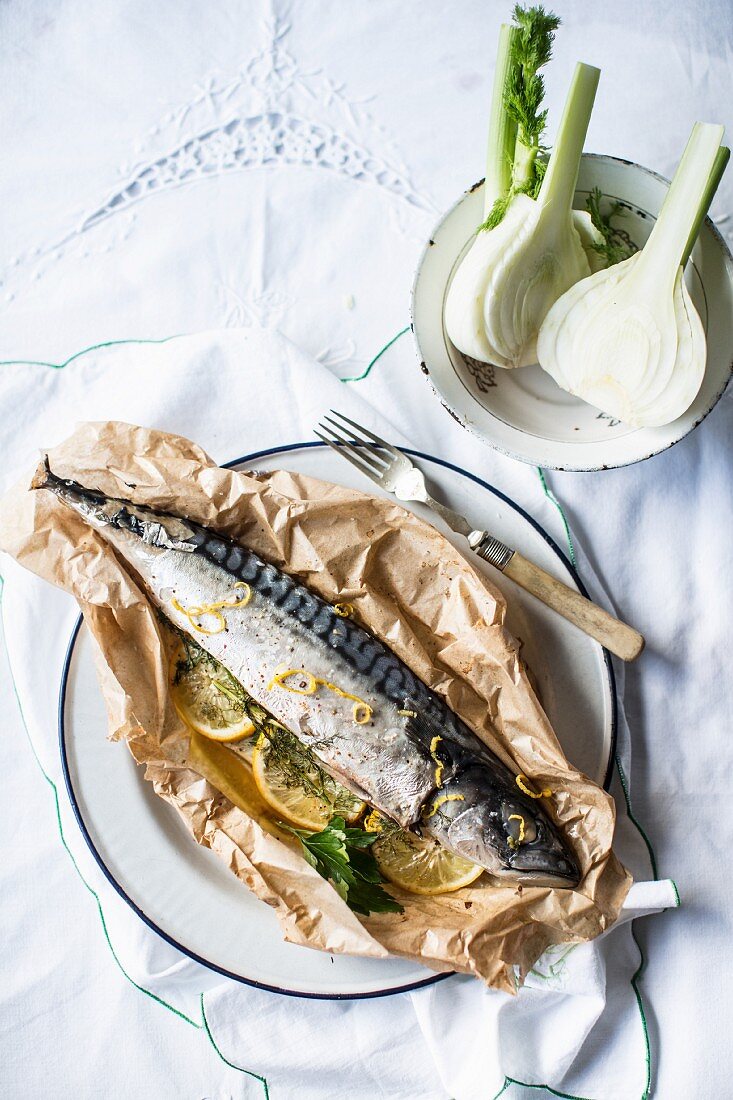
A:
(523, 412)
(184, 892)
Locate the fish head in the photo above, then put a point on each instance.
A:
(534, 852)
(514, 840)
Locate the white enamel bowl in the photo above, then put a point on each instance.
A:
(524, 413)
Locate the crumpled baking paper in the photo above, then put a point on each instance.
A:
(413, 589)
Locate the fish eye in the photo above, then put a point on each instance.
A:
(520, 826)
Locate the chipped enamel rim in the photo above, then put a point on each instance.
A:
(426, 307)
(610, 735)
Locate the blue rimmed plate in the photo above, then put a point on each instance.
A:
(184, 892)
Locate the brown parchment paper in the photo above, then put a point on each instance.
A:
(416, 592)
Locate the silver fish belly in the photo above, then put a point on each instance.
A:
(372, 723)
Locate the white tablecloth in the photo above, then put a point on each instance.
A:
(179, 167)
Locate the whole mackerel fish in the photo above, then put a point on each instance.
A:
(403, 750)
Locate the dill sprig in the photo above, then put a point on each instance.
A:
(193, 655)
(231, 695)
(338, 852)
(378, 823)
(299, 768)
(296, 762)
(616, 244)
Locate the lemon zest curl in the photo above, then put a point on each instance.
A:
(520, 840)
(361, 711)
(213, 609)
(439, 767)
(373, 822)
(521, 782)
(445, 798)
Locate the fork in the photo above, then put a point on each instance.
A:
(394, 472)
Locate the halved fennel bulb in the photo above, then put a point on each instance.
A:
(464, 304)
(628, 339)
(514, 273)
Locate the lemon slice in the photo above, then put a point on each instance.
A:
(202, 696)
(295, 804)
(421, 865)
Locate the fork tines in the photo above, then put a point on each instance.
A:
(363, 449)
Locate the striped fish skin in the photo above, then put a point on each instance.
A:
(471, 803)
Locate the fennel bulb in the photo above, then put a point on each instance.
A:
(464, 305)
(515, 271)
(628, 339)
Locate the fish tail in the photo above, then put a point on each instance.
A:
(70, 491)
(101, 511)
(94, 506)
(43, 477)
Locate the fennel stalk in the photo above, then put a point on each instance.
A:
(516, 122)
(514, 272)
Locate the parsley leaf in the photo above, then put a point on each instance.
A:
(341, 855)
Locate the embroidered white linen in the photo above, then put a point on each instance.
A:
(459, 1039)
(180, 167)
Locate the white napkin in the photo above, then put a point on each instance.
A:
(577, 1026)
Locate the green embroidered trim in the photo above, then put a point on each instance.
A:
(571, 552)
(249, 1072)
(553, 499)
(555, 1092)
(164, 340)
(377, 357)
(204, 1026)
(640, 1003)
(652, 858)
(647, 841)
(78, 354)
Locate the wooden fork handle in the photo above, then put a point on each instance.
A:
(621, 639)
